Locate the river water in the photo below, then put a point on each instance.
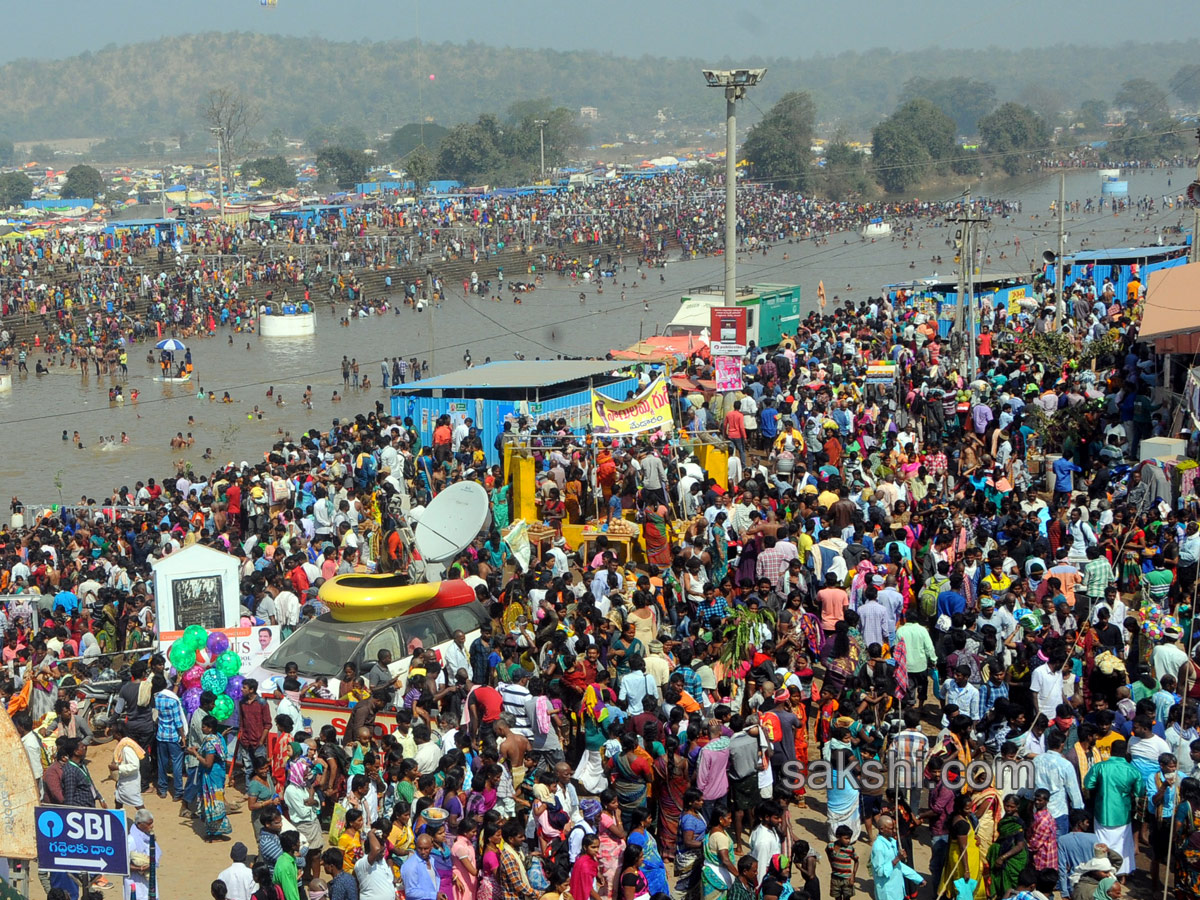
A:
(39, 467)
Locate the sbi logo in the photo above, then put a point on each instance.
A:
(50, 824)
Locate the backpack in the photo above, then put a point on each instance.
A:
(928, 596)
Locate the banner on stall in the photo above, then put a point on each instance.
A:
(881, 372)
(728, 373)
(648, 411)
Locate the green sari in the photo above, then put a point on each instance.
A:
(720, 554)
(1002, 877)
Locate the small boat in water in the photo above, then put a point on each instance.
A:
(876, 228)
(182, 379)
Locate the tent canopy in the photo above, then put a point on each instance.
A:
(1171, 318)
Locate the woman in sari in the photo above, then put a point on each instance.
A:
(573, 491)
(612, 837)
(988, 808)
(656, 526)
(671, 769)
(962, 859)
(499, 498)
(719, 552)
(719, 871)
(1185, 861)
(1008, 855)
(653, 867)
(842, 796)
(632, 771)
(489, 863)
(692, 831)
(213, 758)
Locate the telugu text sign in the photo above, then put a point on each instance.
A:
(76, 839)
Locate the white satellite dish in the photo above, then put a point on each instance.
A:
(451, 521)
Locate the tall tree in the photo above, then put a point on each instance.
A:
(1185, 84)
(273, 170)
(780, 145)
(1093, 114)
(234, 116)
(419, 166)
(899, 157)
(15, 189)
(83, 182)
(844, 174)
(408, 137)
(468, 152)
(7, 152)
(963, 99)
(345, 165)
(1012, 131)
(1144, 99)
(910, 143)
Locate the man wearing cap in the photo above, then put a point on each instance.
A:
(658, 666)
(238, 877)
(1168, 656)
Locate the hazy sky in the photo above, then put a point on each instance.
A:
(703, 28)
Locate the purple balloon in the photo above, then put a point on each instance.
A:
(233, 688)
(191, 700)
(217, 644)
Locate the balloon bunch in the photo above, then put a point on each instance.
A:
(207, 664)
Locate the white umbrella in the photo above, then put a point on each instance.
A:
(170, 344)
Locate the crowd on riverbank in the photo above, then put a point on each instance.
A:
(877, 576)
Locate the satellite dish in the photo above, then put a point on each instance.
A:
(1049, 256)
(1193, 193)
(451, 521)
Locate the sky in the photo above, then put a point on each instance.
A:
(708, 29)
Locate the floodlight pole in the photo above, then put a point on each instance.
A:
(731, 97)
(220, 133)
(541, 124)
(735, 82)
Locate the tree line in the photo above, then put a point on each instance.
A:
(924, 135)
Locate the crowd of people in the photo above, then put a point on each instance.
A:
(967, 576)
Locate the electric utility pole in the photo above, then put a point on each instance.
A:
(965, 320)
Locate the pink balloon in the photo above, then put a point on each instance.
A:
(191, 678)
(431, 77)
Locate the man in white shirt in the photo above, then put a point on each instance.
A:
(33, 746)
(560, 564)
(287, 608)
(454, 657)
(238, 878)
(461, 431)
(1047, 687)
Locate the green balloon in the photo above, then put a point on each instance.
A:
(182, 655)
(214, 680)
(223, 709)
(195, 636)
(228, 663)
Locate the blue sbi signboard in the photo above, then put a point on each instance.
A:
(74, 839)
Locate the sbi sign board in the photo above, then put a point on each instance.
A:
(73, 839)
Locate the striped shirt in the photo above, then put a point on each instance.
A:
(841, 860)
(171, 723)
(513, 697)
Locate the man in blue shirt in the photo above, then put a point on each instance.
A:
(951, 601)
(1063, 470)
(420, 880)
(171, 736)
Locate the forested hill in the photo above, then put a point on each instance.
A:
(154, 89)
